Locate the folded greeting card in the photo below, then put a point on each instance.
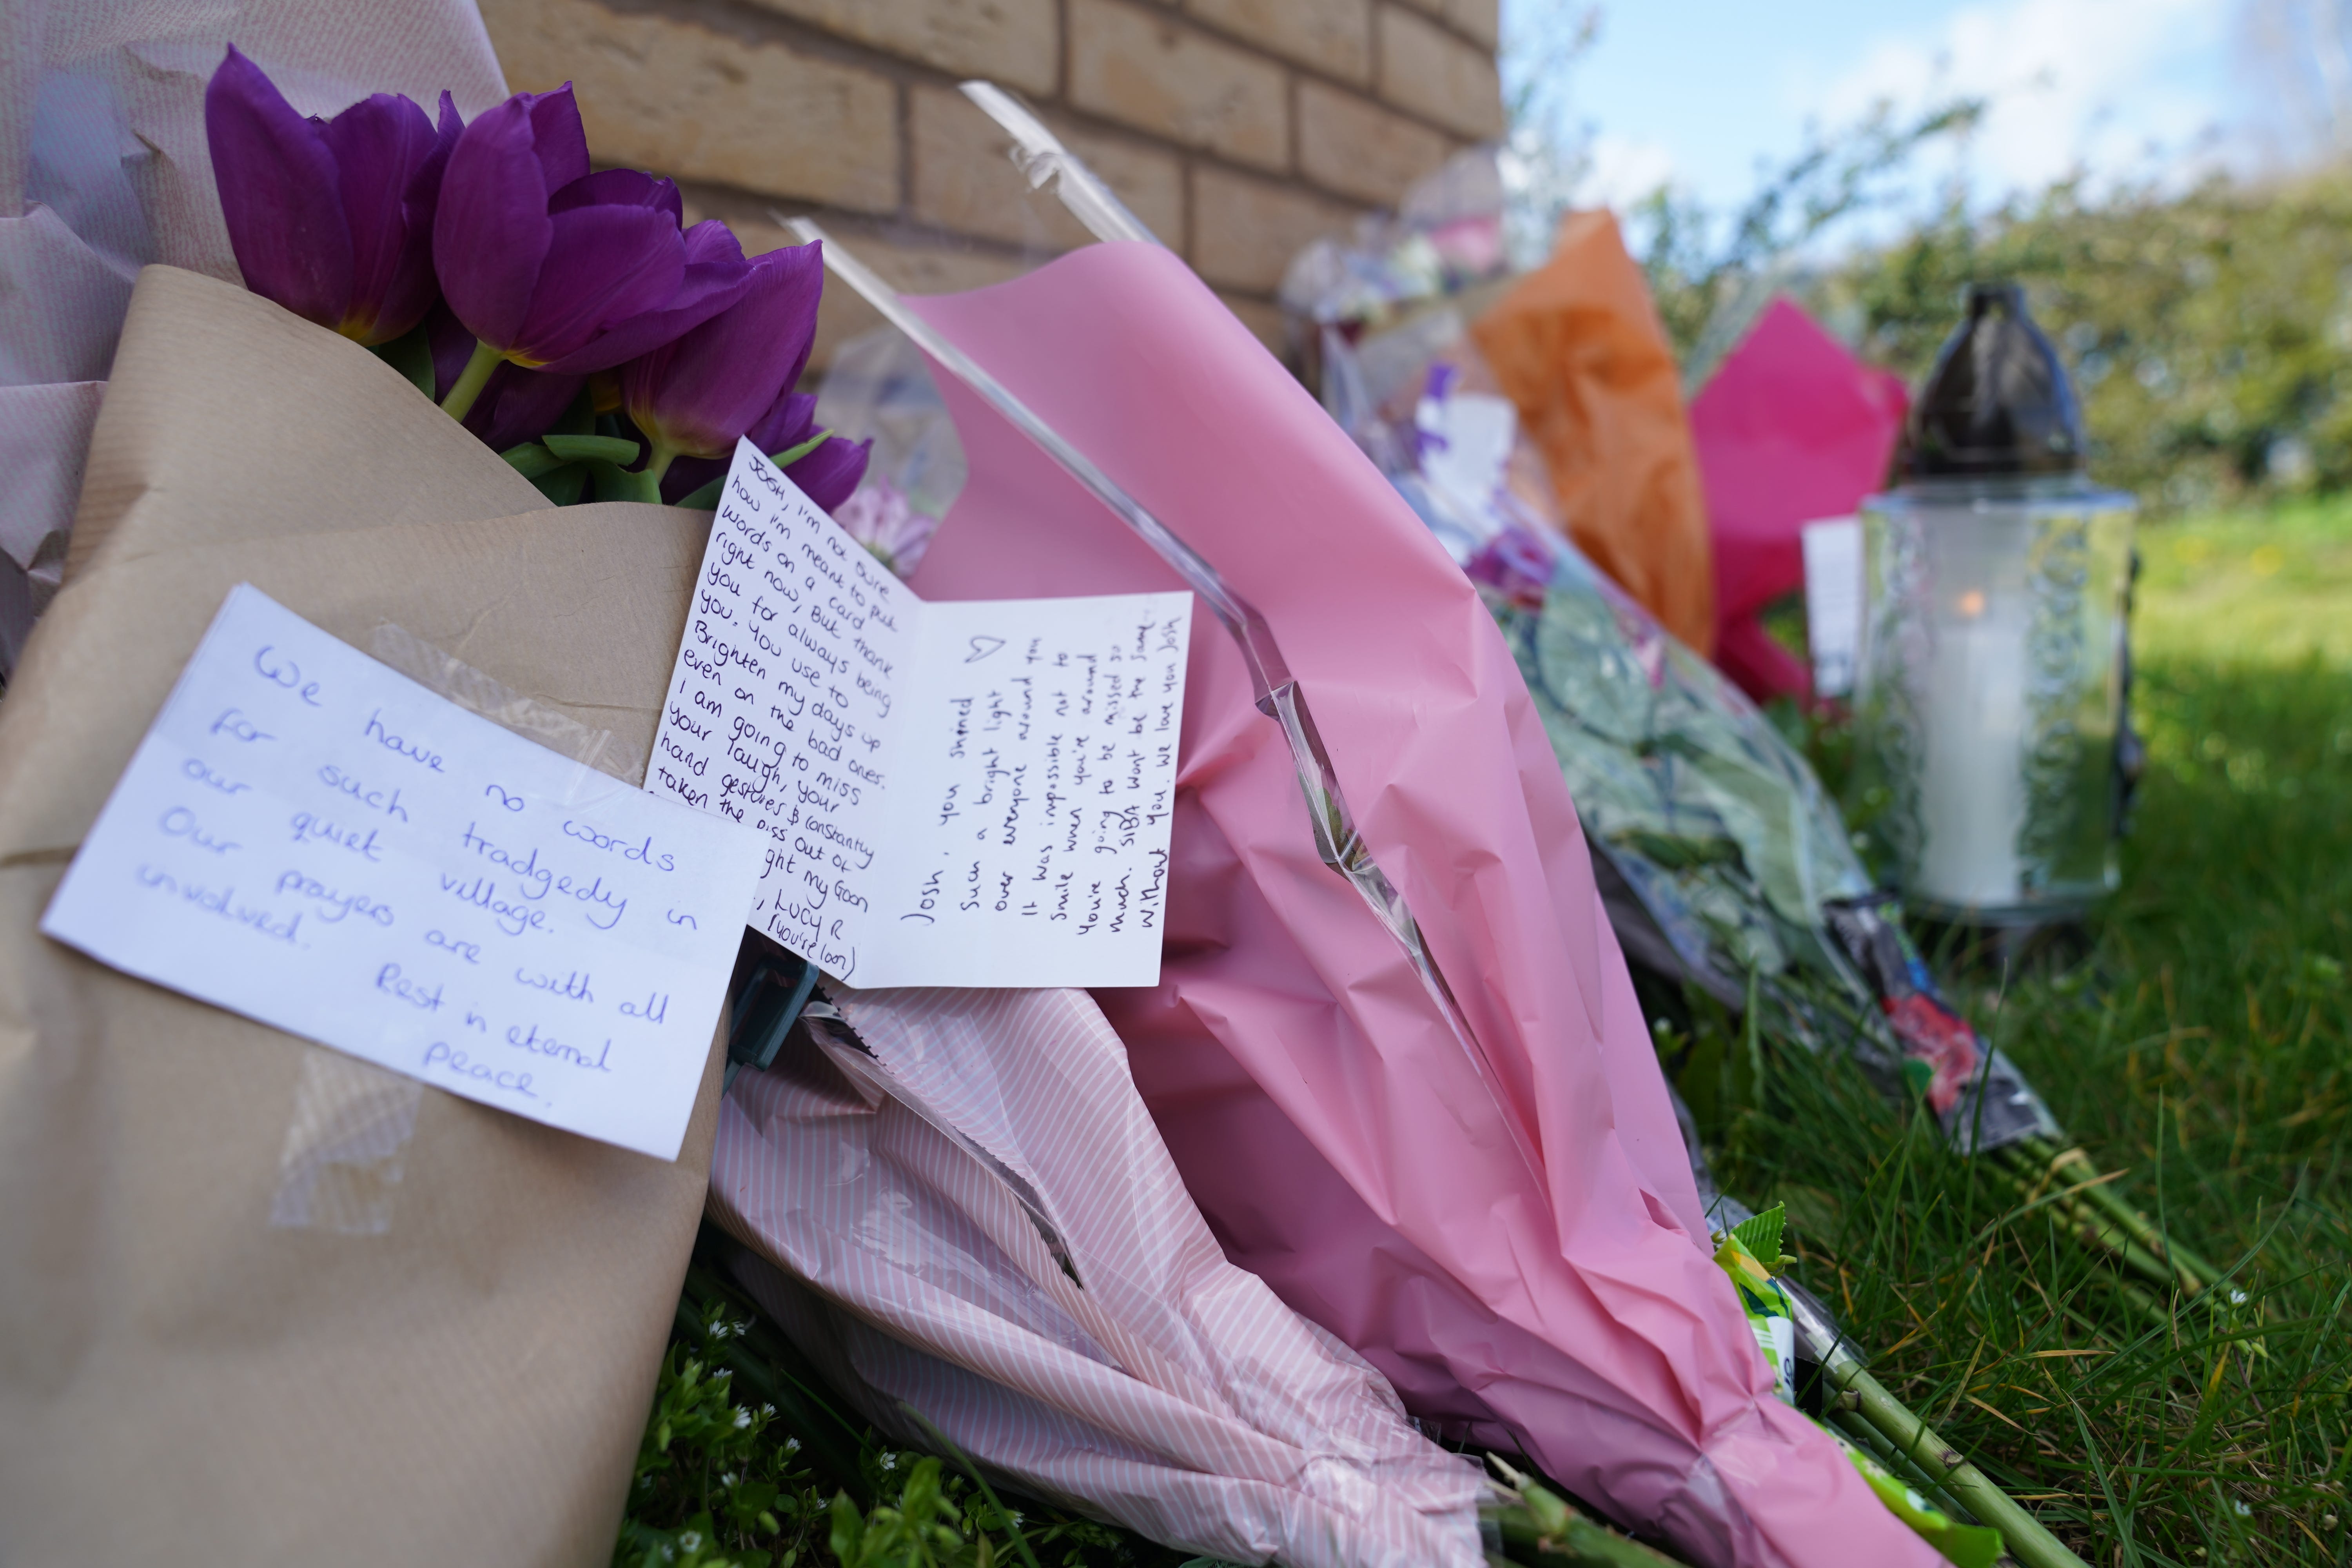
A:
(952, 793)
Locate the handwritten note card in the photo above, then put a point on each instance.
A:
(951, 793)
(316, 842)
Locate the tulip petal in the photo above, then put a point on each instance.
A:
(620, 188)
(379, 144)
(491, 232)
(717, 381)
(791, 421)
(452, 346)
(829, 475)
(558, 139)
(702, 292)
(420, 290)
(604, 265)
(711, 243)
(279, 194)
(520, 405)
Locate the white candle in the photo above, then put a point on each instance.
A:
(1972, 784)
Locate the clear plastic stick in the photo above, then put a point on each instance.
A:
(1278, 695)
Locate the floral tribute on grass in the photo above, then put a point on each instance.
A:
(564, 314)
(749, 1460)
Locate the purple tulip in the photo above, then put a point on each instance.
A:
(333, 220)
(553, 268)
(693, 397)
(515, 406)
(735, 375)
(827, 476)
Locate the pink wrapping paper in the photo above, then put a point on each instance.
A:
(1323, 1117)
(1789, 429)
(1163, 1387)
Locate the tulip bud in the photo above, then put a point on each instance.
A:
(333, 220)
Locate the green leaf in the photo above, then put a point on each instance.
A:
(562, 486)
(411, 354)
(592, 449)
(530, 459)
(615, 483)
(1760, 1234)
(705, 498)
(791, 455)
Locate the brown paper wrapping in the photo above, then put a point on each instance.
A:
(181, 1381)
(1577, 345)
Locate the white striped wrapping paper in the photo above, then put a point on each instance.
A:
(1166, 1390)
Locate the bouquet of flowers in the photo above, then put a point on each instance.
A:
(566, 316)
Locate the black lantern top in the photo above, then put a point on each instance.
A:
(1997, 401)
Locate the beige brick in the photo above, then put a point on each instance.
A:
(1012, 42)
(1333, 35)
(1263, 321)
(1481, 19)
(1158, 75)
(912, 270)
(683, 100)
(1245, 231)
(964, 181)
(1360, 148)
(1428, 70)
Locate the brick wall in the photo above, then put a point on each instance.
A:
(1238, 130)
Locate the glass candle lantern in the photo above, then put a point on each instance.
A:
(1994, 657)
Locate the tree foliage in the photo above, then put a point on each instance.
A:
(2209, 332)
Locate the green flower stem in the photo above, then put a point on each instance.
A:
(1871, 1439)
(2067, 1212)
(2032, 1546)
(476, 375)
(2134, 1223)
(658, 464)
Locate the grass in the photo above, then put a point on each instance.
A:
(2202, 1047)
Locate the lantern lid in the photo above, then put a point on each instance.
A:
(1997, 401)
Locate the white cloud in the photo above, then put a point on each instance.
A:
(1622, 170)
(2092, 84)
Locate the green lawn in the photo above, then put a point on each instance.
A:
(2204, 1045)
(2201, 1050)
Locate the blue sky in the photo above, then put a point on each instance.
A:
(1695, 92)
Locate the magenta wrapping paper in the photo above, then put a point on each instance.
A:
(1324, 1118)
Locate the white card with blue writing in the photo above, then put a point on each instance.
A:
(960, 793)
(316, 842)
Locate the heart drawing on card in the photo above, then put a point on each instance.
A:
(981, 647)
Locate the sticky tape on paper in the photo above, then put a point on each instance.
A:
(347, 1140)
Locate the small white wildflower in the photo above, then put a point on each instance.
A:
(691, 1541)
(743, 1419)
(728, 1479)
(791, 1445)
(889, 1461)
(2237, 1298)
(2243, 1512)
(767, 1410)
